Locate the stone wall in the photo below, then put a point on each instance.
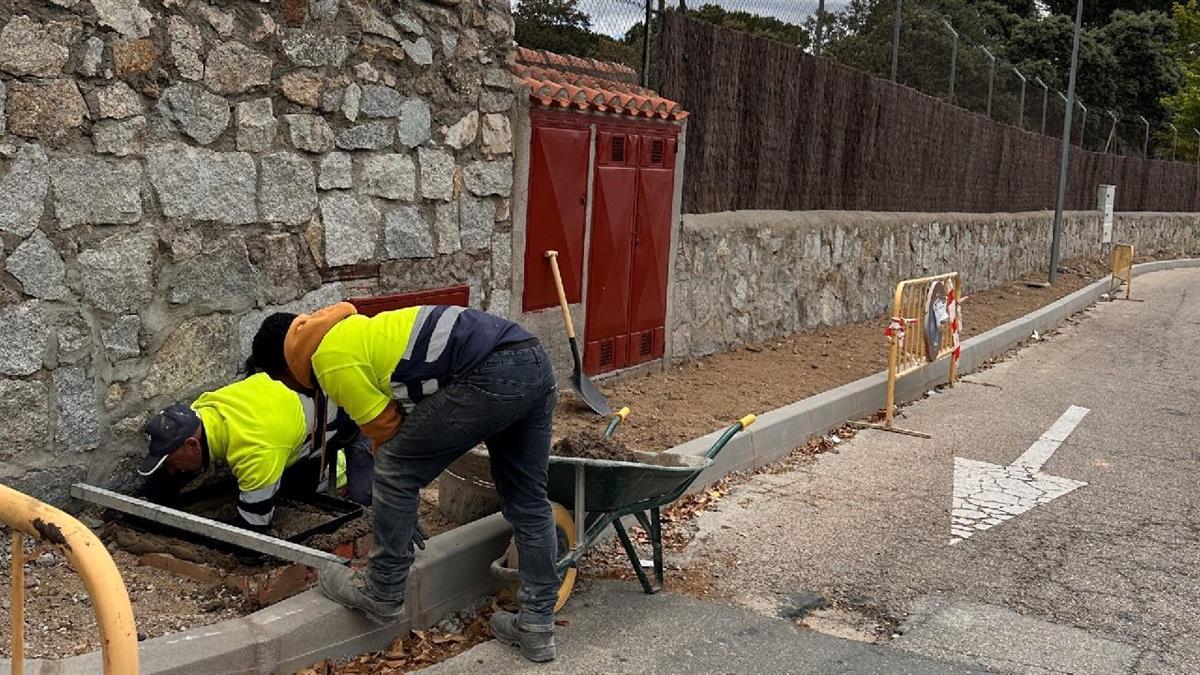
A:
(172, 170)
(750, 275)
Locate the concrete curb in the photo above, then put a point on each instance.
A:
(453, 570)
(776, 433)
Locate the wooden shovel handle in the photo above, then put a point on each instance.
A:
(552, 256)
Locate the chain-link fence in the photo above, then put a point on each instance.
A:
(916, 42)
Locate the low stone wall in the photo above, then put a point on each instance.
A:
(171, 171)
(750, 275)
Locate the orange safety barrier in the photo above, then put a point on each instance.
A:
(921, 308)
(88, 557)
(1122, 268)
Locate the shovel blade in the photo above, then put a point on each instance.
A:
(589, 393)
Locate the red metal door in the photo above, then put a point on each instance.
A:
(557, 209)
(651, 250)
(613, 204)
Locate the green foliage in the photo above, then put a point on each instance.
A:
(760, 26)
(1099, 12)
(556, 25)
(1185, 104)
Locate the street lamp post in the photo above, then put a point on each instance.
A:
(1064, 155)
(1045, 99)
(991, 78)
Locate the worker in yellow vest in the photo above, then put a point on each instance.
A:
(264, 432)
(426, 384)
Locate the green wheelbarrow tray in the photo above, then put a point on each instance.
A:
(623, 486)
(602, 492)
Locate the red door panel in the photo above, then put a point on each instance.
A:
(608, 270)
(651, 256)
(630, 249)
(557, 209)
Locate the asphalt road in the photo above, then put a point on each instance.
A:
(1083, 557)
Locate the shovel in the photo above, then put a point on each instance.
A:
(579, 382)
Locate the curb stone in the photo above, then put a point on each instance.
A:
(453, 570)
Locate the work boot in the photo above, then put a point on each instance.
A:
(537, 646)
(349, 588)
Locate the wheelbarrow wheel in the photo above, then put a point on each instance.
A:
(564, 530)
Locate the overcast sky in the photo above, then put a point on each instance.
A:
(614, 17)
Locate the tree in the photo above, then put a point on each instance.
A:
(1099, 12)
(761, 26)
(1185, 104)
(555, 25)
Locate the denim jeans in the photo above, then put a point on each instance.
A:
(508, 404)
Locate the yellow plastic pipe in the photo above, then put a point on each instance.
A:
(18, 603)
(87, 555)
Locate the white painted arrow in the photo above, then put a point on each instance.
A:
(986, 495)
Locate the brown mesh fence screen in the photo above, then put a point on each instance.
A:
(772, 127)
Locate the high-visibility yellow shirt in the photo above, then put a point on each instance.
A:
(258, 427)
(357, 358)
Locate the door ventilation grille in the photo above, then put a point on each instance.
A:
(618, 149)
(606, 353)
(656, 152)
(647, 344)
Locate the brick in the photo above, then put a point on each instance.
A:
(184, 568)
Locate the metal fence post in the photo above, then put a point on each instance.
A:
(1112, 134)
(1146, 139)
(1045, 100)
(1197, 144)
(1083, 127)
(818, 38)
(646, 47)
(1174, 139)
(1021, 114)
(991, 78)
(953, 58)
(896, 39)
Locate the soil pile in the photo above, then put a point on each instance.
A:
(589, 445)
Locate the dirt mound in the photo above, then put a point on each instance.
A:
(590, 445)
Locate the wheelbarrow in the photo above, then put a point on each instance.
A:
(589, 495)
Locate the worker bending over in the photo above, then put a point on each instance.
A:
(264, 432)
(427, 384)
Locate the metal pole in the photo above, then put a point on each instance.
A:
(229, 534)
(896, 39)
(991, 79)
(646, 48)
(1146, 139)
(1197, 145)
(817, 39)
(1174, 139)
(1083, 127)
(953, 58)
(1112, 134)
(1021, 115)
(1064, 156)
(1045, 100)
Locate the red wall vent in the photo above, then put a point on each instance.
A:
(451, 295)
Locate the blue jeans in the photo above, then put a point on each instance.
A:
(508, 404)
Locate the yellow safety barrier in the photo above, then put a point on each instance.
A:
(908, 347)
(88, 557)
(1122, 268)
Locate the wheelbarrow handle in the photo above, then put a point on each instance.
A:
(616, 420)
(729, 433)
